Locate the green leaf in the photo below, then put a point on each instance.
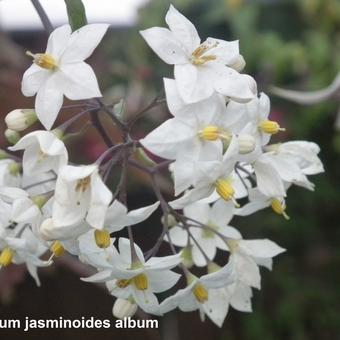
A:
(76, 14)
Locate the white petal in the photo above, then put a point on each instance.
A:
(183, 29)
(217, 306)
(165, 45)
(178, 236)
(241, 297)
(268, 180)
(222, 212)
(79, 81)
(57, 41)
(33, 79)
(191, 196)
(198, 211)
(83, 42)
(260, 248)
(220, 278)
(161, 281)
(161, 263)
(192, 85)
(146, 300)
(49, 100)
(247, 269)
(226, 81)
(167, 140)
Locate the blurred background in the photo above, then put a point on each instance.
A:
(288, 43)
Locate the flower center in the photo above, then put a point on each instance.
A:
(43, 60)
(212, 133)
(83, 184)
(140, 282)
(200, 293)
(6, 257)
(57, 249)
(279, 207)
(270, 126)
(198, 57)
(102, 238)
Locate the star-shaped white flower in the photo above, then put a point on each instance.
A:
(61, 70)
(80, 194)
(217, 218)
(43, 152)
(137, 278)
(200, 68)
(203, 294)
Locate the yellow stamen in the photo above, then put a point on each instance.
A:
(123, 283)
(43, 60)
(197, 57)
(200, 293)
(57, 249)
(210, 132)
(6, 257)
(83, 184)
(270, 126)
(279, 207)
(102, 238)
(141, 281)
(225, 190)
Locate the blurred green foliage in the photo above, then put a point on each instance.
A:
(293, 44)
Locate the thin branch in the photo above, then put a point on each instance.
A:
(43, 16)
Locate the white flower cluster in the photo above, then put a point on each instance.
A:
(217, 149)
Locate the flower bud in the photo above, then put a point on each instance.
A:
(124, 308)
(246, 143)
(20, 119)
(12, 136)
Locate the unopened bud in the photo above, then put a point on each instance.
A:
(123, 308)
(246, 143)
(20, 119)
(12, 136)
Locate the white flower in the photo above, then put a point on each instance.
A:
(212, 176)
(304, 153)
(202, 294)
(23, 248)
(217, 218)
(43, 152)
(258, 201)
(200, 69)
(245, 255)
(80, 194)
(118, 217)
(138, 279)
(61, 70)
